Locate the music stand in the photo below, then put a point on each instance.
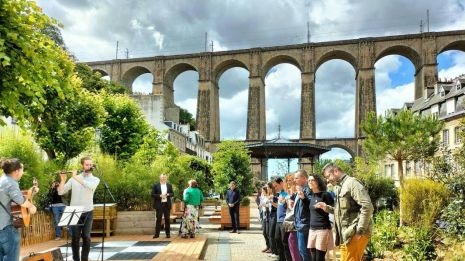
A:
(70, 217)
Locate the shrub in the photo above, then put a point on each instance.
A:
(232, 163)
(379, 187)
(16, 144)
(454, 216)
(422, 201)
(385, 233)
(420, 245)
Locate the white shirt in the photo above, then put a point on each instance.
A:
(164, 190)
(82, 195)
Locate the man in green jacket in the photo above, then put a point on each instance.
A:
(352, 211)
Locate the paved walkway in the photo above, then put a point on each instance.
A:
(223, 246)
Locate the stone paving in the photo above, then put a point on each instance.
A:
(223, 246)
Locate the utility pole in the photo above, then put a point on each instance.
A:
(127, 53)
(212, 46)
(427, 19)
(308, 32)
(421, 26)
(117, 43)
(206, 41)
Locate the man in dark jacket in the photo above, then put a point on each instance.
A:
(162, 193)
(302, 212)
(233, 200)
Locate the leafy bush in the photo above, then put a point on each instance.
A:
(245, 202)
(420, 245)
(232, 163)
(454, 216)
(422, 201)
(15, 144)
(379, 187)
(385, 233)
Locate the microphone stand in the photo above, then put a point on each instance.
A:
(106, 188)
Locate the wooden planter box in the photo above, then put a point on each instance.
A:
(111, 214)
(225, 220)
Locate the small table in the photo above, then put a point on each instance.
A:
(110, 218)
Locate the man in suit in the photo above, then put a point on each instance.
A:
(233, 197)
(162, 193)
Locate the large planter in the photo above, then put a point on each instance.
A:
(244, 217)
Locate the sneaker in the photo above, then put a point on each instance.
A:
(156, 236)
(57, 238)
(268, 251)
(233, 231)
(168, 236)
(264, 250)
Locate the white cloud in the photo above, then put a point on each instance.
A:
(148, 28)
(394, 98)
(458, 67)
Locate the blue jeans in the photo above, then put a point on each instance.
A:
(57, 212)
(82, 229)
(302, 239)
(9, 244)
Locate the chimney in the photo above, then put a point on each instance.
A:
(430, 90)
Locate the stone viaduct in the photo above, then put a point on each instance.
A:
(421, 49)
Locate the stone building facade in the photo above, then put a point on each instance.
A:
(446, 100)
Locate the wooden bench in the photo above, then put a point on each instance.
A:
(183, 249)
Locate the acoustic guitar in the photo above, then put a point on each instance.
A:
(18, 211)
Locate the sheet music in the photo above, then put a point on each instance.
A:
(68, 214)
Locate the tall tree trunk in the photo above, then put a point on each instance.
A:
(400, 173)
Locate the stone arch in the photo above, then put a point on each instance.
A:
(176, 70)
(101, 71)
(226, 65)
(344, 147)
(130, 75)
(279, 59)
(336, 54)
(402, 50)
(455, 45)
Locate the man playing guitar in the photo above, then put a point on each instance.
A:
(9, 191)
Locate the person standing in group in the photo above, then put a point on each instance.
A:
(162, 192)
(233, 198)
(56, 206)
(302, 212)
(280, 235)
(82, 188)
(264, 217)
(291, 233)
(320, 236)
(272, 209)
(9, 191)
(193, 197)
(353, 213)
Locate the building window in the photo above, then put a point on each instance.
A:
(459, 87)
(445, 138)
(393, 171)
(387, 169)
(457, 138)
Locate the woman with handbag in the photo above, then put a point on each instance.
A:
(289, 219)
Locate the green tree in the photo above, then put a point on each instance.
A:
(124, 128)
(401, 136)
(67, 127)
(93, 81)
(185, 117)
(29, 61)
(232, 163)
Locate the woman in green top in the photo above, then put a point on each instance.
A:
(192, 199)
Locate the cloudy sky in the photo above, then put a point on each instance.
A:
(148, 28)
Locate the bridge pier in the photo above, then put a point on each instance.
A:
(256, 118)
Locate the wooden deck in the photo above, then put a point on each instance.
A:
(181, 249)
(178, 249)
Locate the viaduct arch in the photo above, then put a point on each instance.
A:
(421, 49)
